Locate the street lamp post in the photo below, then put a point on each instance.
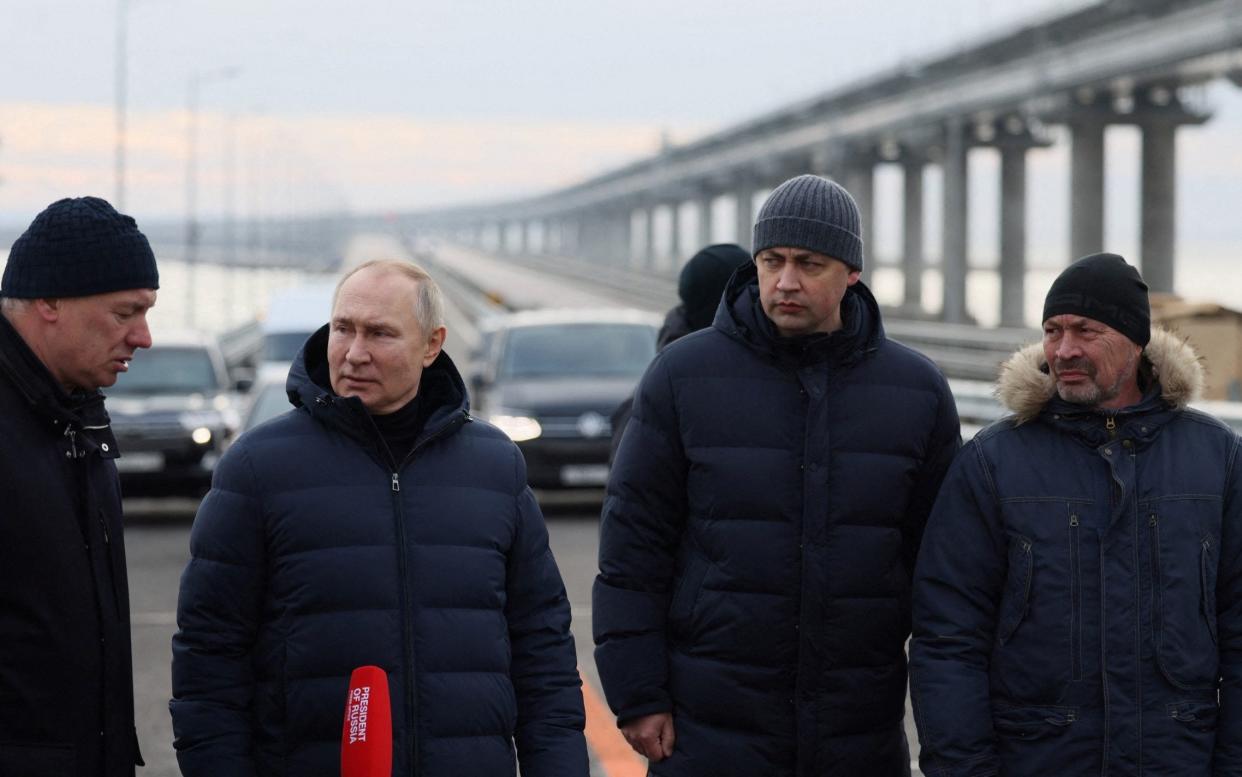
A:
(196, 82)
(122, 55)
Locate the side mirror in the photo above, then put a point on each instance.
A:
(243, 380)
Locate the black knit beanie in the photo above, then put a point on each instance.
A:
(702, 281)
(812, 213)
(78, 247)
(1104, 288)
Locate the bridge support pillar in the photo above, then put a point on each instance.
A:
(1159, 204)
(953, 260)
(860, 182)
(646, 257)
(672, 257)
(1013, 235)
(1086, 186)
(704, 230)
(912, 233)
(744, 196)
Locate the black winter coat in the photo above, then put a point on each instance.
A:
(758, 540)
(1078, 603)
(314, 553)
(66, 682)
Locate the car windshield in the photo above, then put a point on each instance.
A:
(168, 371)
(578, 349)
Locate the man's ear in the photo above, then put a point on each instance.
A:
(47, 308)
(434, 344)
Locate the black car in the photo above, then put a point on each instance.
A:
(551, 379)
(173, 412)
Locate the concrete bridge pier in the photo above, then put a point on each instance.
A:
(1013, 235)
(954, 260)
(1159, 116)
(744, 210)
(859, 180)
(673, 256)
(1086, 184)
(912, 232)
(1013, 138)
(703, 205)
(646, 256)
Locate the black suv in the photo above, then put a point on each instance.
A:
(173, 413)
(551, 379)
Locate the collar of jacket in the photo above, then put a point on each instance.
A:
(1027, 390)
(309, 386)
(741, 317)
(34, 382)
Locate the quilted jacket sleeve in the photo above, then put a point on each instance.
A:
(1227, 758)
(218, 612)
(957, 591)
(944, 441)
(544, 670)
(643, 519)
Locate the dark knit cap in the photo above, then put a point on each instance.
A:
(812, 213)
(703, 280)
(1104, 288)
(78, 247)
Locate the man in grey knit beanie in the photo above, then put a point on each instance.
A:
(764, 509)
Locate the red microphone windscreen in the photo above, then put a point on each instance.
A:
(366, 740)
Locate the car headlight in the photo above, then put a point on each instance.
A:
(519, 427)
(201, 435)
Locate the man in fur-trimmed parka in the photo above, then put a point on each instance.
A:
(1078, 595)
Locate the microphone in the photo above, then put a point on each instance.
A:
(366, 739)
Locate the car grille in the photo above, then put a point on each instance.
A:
(590, 425)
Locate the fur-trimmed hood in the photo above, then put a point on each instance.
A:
(1024, 385)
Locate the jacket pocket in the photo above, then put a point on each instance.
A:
(1207, 584)
(1195, 715)
(1075, 597)
(1017, 588)
(686, 594)
(1031, 723)
(1183, 601)
(26, 760)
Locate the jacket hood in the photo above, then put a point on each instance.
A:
(1025, 387)
(309, 386)
(741, 316)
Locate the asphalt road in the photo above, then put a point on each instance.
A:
(157, 543)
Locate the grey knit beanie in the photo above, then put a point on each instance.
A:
(76, 248)
(812, 213)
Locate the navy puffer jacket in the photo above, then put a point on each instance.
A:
(1078, 603)
(313, 555)
(758, 539)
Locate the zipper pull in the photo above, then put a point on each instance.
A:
(1110, 423)
(73, 442)
(1073, 519)
(104, 525)
(396, 482)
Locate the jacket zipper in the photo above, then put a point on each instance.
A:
(1110, 423)
(403, 568)
(1075, 600)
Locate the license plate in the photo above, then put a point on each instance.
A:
(584, 474)
(140, 462)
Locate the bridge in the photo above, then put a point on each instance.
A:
(1132, 62)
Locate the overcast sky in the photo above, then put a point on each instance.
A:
(377, 106)
(404, 104)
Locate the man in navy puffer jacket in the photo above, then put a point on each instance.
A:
(375, 524)
(763, 515)
(1078, 601)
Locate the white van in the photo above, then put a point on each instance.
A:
(293, 314)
